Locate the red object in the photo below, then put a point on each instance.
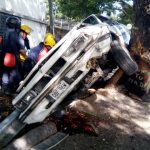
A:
(88, 129)
(9, 60)
(43, 52)
(1, 39)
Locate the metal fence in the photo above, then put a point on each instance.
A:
(64, 24)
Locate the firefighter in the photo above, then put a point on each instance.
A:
(13, 46)
(38, 52)
(25, 31)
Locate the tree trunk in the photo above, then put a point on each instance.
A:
(140, 37)
(140, 44)
(51, 16)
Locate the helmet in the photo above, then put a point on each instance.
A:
(49, 40)
(26, 28)
(13, 22)
(50, 35)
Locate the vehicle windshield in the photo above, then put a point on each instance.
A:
(107, 20)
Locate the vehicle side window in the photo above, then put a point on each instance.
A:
(90, 20)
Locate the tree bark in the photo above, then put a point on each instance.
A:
(140, 44)
(140, 35)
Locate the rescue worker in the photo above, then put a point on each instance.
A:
(13, 46)
(38, 52)
(25, 31)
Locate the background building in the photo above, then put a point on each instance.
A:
(31, 12)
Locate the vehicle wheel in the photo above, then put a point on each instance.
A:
(123, 59)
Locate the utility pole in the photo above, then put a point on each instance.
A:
(51, 16)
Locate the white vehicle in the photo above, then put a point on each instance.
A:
(119, 28)
(55, 76)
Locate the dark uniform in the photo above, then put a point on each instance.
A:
(12, 75)
(31, 59)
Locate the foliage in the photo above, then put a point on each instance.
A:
(127, 14)
(79, 9)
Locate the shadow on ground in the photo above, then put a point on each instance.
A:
(123, 123)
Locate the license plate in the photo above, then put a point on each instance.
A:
(55, 94)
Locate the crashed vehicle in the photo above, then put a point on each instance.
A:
(78, 58)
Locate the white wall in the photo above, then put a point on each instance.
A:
(34, 9)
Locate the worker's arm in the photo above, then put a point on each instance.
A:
(23, 52)
(21, 44)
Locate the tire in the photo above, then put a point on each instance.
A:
(123, 59)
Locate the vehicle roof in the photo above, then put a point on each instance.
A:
(120, 28)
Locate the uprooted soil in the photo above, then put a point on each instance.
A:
(121, 122)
